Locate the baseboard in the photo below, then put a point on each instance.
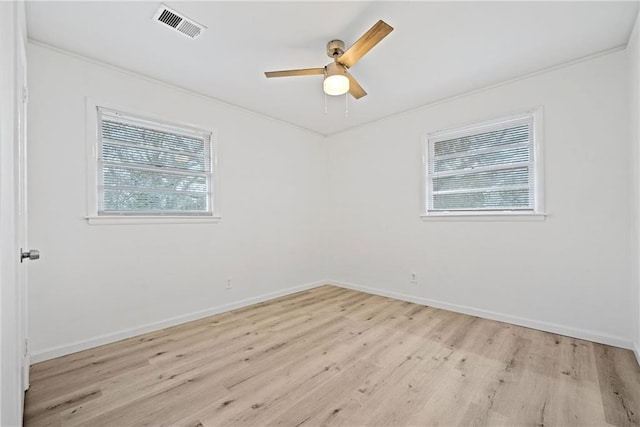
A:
(63, 350)
(520, 321)
(54, 352)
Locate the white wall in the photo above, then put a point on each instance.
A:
(95, 281)
(569, 274)
(633, 57)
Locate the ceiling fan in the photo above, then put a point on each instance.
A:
(337, 80)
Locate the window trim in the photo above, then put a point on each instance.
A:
(538, 212)
(93, 216)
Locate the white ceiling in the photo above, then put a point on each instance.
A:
(437, 50)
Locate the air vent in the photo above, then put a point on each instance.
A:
(178, 22)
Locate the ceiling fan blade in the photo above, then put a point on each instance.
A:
(354, 87)
(290, 73)
(365, 43)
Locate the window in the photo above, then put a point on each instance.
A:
(147, 168)
(490, 168)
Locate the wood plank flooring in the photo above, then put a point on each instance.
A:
(332, 356)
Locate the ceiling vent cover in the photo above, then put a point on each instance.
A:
(178, 22)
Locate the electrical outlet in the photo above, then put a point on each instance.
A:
(414, 278)
(229, 285)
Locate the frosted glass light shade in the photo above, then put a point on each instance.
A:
(337, 84)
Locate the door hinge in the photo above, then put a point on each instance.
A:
(25, 94)
(26, 347)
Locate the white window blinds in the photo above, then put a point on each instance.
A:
(151, 168)
(482, 168)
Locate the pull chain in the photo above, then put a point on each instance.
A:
(346, 104)
(325, 103)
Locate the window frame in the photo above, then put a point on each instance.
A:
(535, 214)
(95, 216)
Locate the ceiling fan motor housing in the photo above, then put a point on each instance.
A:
(335, 48)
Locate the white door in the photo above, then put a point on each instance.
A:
(21, 208)
(13, 291)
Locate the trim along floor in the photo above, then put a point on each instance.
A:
(333, 356)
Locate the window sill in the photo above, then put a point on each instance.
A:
(482, 216)
(160, 219)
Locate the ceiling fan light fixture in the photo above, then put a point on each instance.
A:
(335, 82)
(336, 85)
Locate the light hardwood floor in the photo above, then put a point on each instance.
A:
(331, 356)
